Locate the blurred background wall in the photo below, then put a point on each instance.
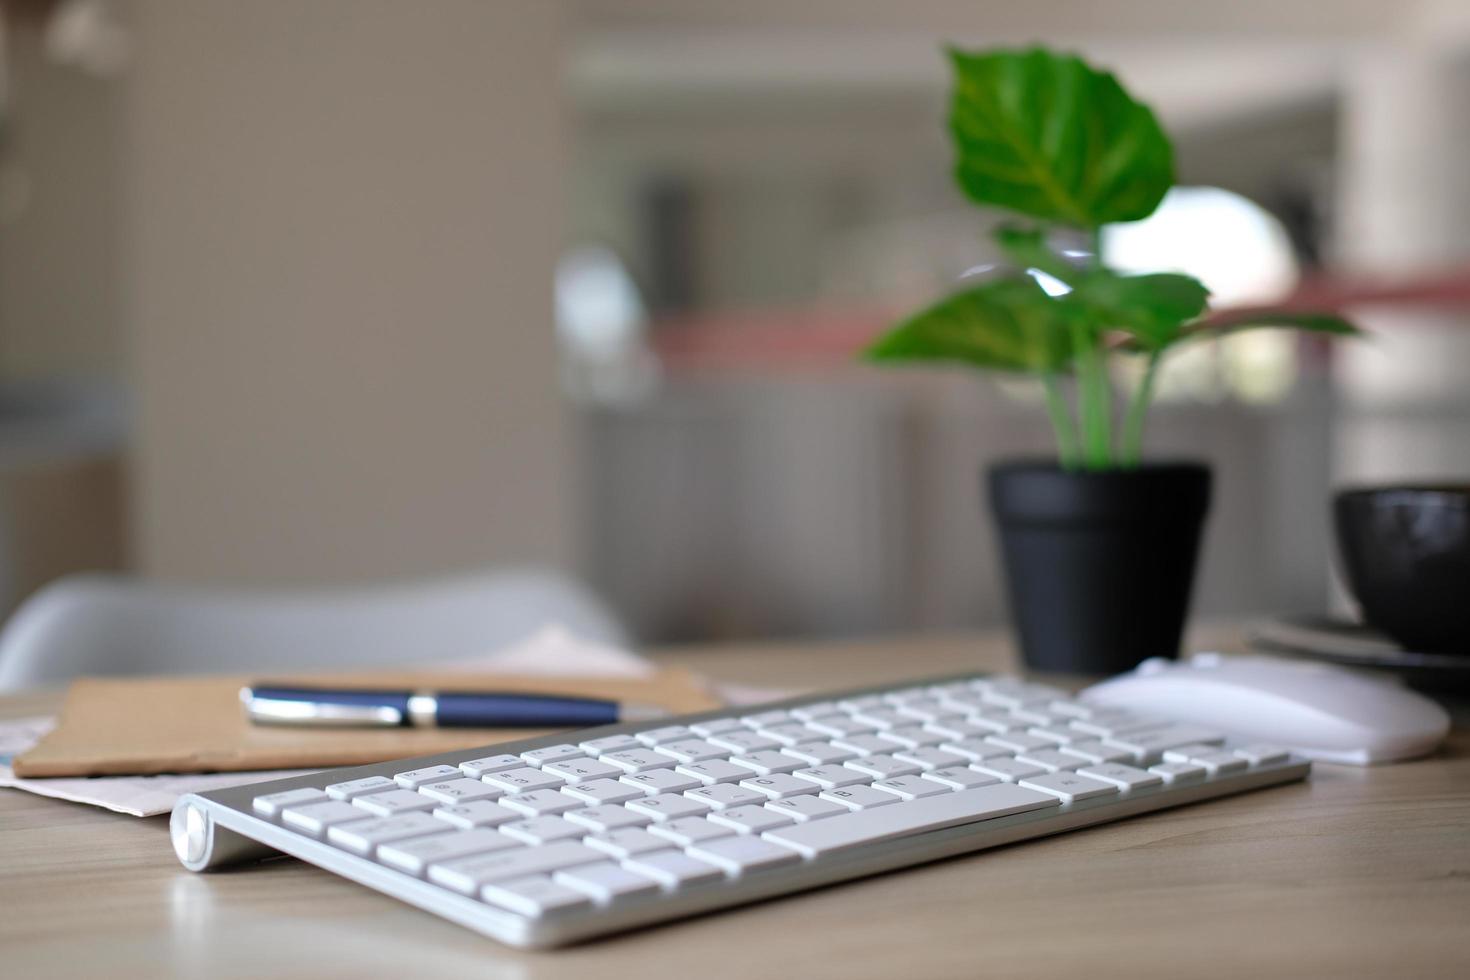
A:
(332, 291)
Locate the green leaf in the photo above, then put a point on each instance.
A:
(1052, 137)
(1153, 308)
(1005, 325)
(1258, 319)
(1027, 247)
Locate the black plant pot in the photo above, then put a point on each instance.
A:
(1099, 565)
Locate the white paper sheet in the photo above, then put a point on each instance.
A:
(551, 651)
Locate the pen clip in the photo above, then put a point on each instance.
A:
(285, 711)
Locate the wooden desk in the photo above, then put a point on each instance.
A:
(1358, 873)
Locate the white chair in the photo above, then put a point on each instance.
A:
(110, 624)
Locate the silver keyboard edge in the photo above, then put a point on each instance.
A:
(230, 809)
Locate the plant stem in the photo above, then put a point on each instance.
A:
(1061, 421)
(1138, 411)
(1094, 405)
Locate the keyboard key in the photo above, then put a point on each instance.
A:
(610, 743)
(422, 777)
(657, 781)
(862, 703)
(468, 875)
(535, 897)
(413, 856)
(1008, 770)
(722, 796)
(668, 733)
(818, 837)
(841, 726)
(608, 817)
(910, 787)
(927, 709)
(479, 768)
(858, 797)
(749, 819)
(523, 780)
(689, 830)
(1219, 763)
(1019, 742)
(958, 729)
(789, 735)
(766, 719)
(364, 836)
(975, 750)
(1113, 725)
(536, 758)
(603, 791)
(913, 737)
(716, 726)
(1179, 773)
(1256, 755)
(819, 753)
(605, 881)
(1051, 760)
(1187, 752)
(768, 763)
(673, 870)
(818, 709)
(778, 786)
(582, 770)
(743, 854)
(1095, 751)
(313, 819)
(959, 777)
(883, 767)
(862, 745)
(626, 843)
(1146, 746)
(360, 787)
(714, 771)
(1058, 734)
(1069, 786)
(883, 718)
(807, 807)
(272, 804)
(461, 790)
(638, 760)
(995, 723)
(930, 757)
(1019, 695)
(541, 803)
(1124, 777)
(480, 813)
(668, 806)
(744, 741)
(832, 777)
(692, 750)
(544, 830)
(393, 802)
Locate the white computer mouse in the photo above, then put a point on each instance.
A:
(1317, 710)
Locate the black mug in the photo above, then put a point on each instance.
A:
(1406, 557)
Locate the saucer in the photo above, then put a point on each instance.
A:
(1352, 644)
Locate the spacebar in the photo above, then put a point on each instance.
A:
(819, 837)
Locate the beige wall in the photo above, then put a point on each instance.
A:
(344, 216)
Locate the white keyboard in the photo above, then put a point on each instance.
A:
(550, 840)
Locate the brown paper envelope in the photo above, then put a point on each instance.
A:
(117, 726)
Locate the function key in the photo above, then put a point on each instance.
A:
(272, 804)
(552, 753)
(668, 733)
(476, 768)
(360, 787)
(610, 743)
(429, 774)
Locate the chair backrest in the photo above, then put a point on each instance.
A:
(110, 625)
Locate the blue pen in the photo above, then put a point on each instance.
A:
(355, 708)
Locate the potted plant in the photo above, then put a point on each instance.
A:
(1099, 545)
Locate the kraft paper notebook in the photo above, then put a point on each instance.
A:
(116, 726)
